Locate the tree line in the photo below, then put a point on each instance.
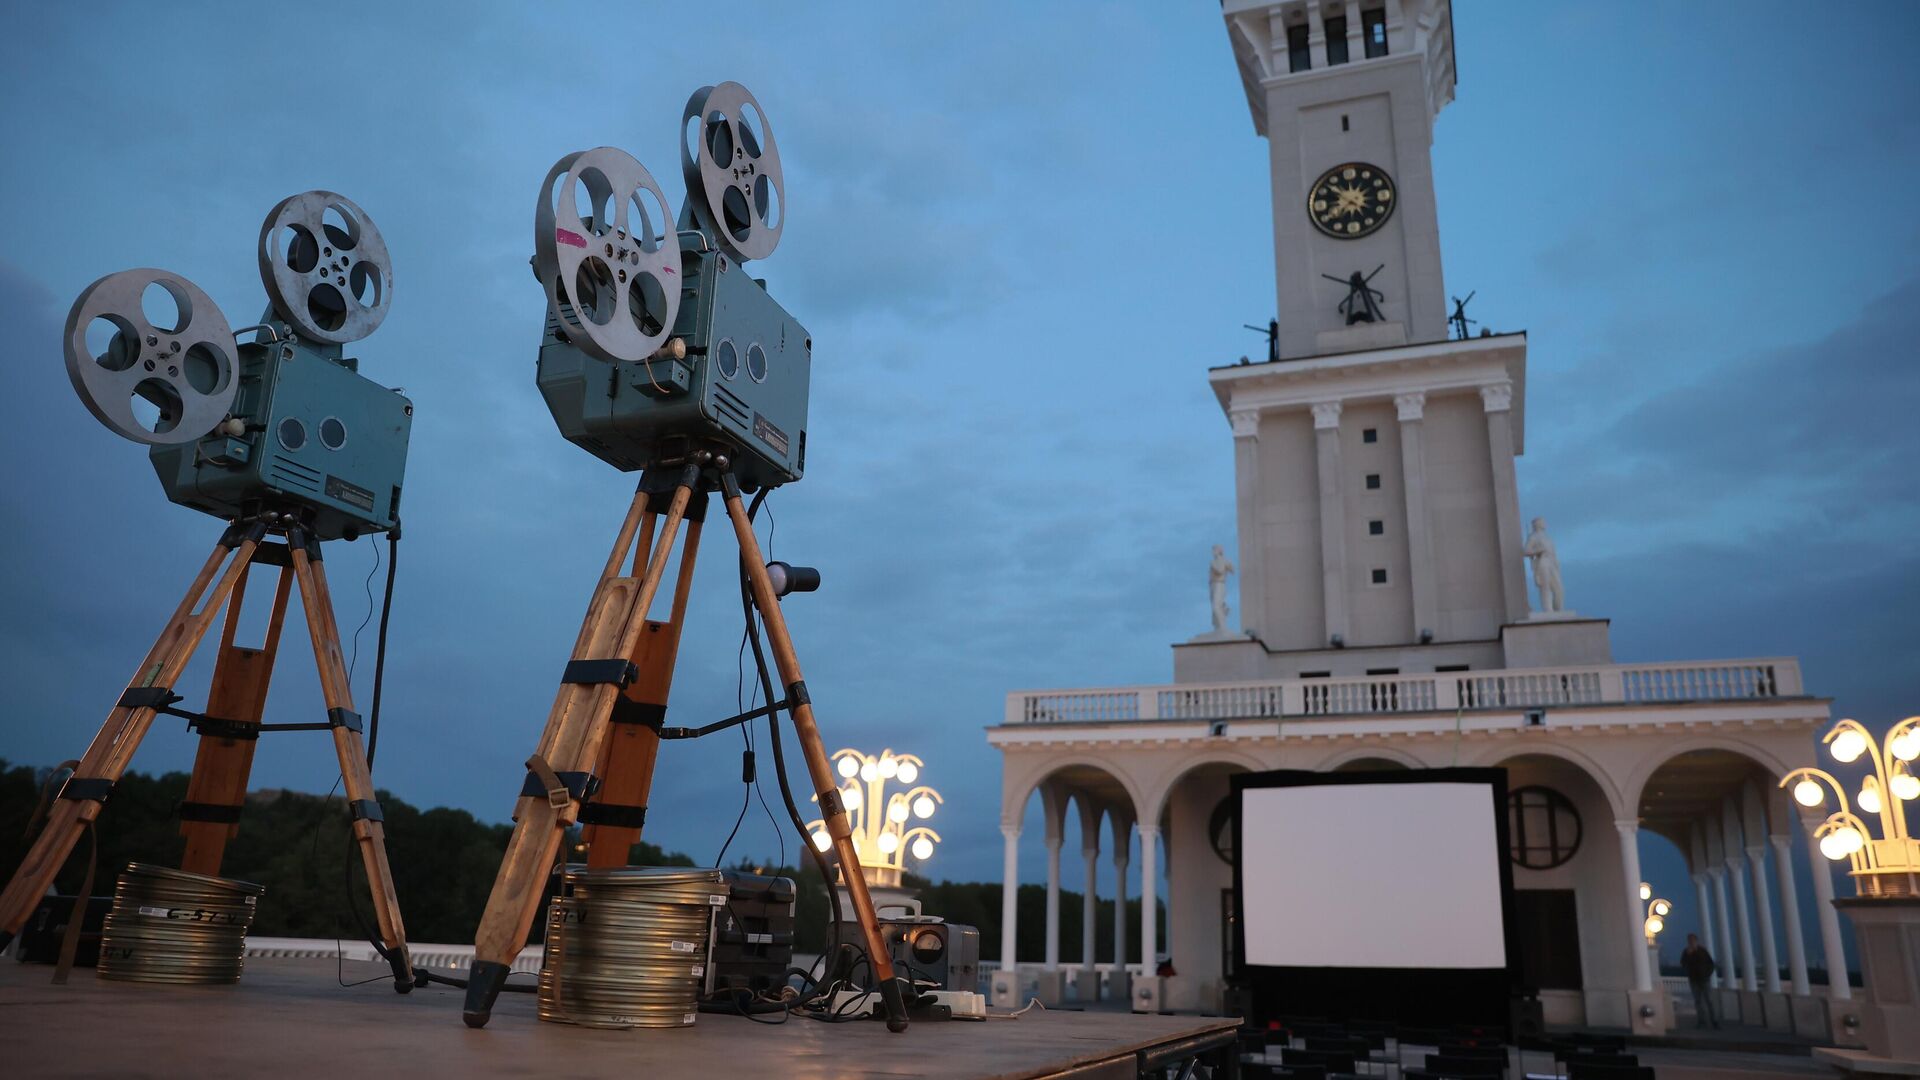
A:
(300, 848)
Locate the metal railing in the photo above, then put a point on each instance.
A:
(1608, 684)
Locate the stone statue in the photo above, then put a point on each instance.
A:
(1546, 567)
(1217, 573)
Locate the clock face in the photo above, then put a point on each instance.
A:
(1350, 201)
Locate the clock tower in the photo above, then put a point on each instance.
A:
(1346, 92)
(1378, 512)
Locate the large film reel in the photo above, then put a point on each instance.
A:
(325, 267)
(185, 371)
(732, 168)
(604, 250)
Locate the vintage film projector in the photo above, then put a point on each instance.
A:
(661, 353)
(281, 437)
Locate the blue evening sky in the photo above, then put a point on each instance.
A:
(1019, 233)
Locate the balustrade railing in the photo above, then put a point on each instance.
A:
(1612, 684)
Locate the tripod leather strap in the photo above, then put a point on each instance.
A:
(614, 815)
(594, 672)
(559, 789)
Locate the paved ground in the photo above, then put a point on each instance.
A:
(290, 1017)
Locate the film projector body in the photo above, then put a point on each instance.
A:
(283, 438)
(662, 354)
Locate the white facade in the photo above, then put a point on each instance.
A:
(1385, 608)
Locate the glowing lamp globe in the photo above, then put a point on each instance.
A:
(1646, 891)
(923, 807)
(922, 848)
(889, 842)
(1848, 746)
(871, 772)
(1808, 793)
(1905, 786)
(897, 813)
(1655, 925)
(1661, 909)
(850, 798)
(849, 768)
(909, 772)
(1906, 746)
(889, 768)
(1869, 797)
(1833, 847)
(1851, 840)
(821, 841)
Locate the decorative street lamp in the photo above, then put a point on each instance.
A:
(1657, 912)
(883, 833)
(1890, 865)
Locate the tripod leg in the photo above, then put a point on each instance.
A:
(112, 749)
(223, 760)
(357, 775)
(824, 783)
(618, 811)
(569, 745)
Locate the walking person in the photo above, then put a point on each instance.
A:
(1697, 962)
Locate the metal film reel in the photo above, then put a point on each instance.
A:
(612, 273)
(732, 168)
(325, 267)
(186, 371)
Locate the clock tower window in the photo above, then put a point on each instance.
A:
(1336, 39)
(1373, 30)
(1299, 53)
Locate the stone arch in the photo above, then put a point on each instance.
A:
(1636, 784)
(1355, 756)
(1494, 755)
(1152, 810)
(1013, 810)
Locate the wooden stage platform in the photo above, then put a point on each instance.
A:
(291, 1017)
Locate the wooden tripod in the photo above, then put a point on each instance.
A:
(228, 730)
(595, 760)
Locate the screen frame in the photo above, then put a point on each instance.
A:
(1466, 995)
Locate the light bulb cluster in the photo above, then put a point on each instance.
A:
(884, 826)
(1884, 860)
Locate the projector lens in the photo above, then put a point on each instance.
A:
(727, 358)
(293, 434)
(333, 433)
(757, 362)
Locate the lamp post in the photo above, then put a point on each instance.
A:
(1656, 920)
(1886, 874)
(1883, 867)
(883, 833)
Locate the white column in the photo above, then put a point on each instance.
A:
(1089, 909)
(1636, 915)
(1009, 895)
(1703, 895)
(1790, 914)
(1149, 896)
(1053, 902)
(1729, 974)
(1413, 476)
(1248, 499)
(1839, 988)
(1742, 924)
(1497, 398)
(1120, 900)
(1763, 916)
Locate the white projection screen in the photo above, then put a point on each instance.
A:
(1372, 875)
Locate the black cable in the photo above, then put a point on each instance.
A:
(380, 649)
(779, 758)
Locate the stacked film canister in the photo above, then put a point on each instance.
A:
(627, 947)
(169, 926)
